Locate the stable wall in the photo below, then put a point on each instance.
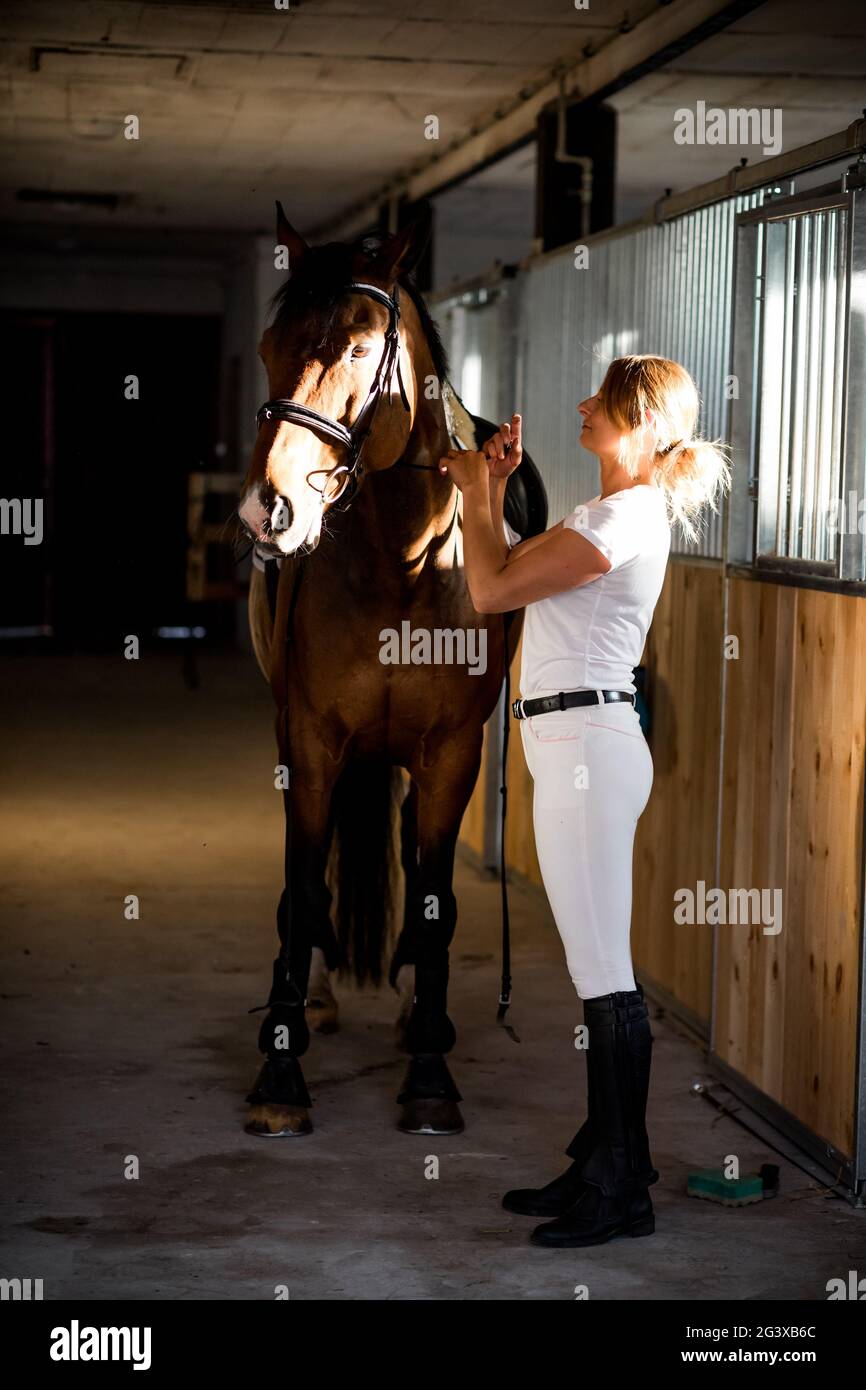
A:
(792, 818)
(788, 814)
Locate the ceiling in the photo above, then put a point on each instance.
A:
(804, 59)
(321, 106)
(239, 102)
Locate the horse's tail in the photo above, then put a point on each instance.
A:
(363, 866)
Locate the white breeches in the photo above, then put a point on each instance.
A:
(592, 773)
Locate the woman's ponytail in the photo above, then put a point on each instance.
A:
(693, 474)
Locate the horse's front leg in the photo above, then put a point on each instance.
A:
(279, 1102)
(445, 776)
(401, 973)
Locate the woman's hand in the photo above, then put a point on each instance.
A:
(504, 451)
(465, 467)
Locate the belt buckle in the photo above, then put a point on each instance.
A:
(517, 709)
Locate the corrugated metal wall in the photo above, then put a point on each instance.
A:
(542, 342)
(475, 330)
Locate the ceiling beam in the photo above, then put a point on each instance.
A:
(671, 28)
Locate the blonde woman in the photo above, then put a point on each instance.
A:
(589, 586)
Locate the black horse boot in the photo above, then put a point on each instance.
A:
(429, 1098)
(280, 1100)
(614, 1177)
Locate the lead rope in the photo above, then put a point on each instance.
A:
(505, 983)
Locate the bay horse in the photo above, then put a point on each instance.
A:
(343, 486)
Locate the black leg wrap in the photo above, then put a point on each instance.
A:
(429, 1028)
(428, 1078)
(284, 1030)
(280, 1082)
(316, 910)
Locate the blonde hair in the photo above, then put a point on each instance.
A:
(692, 472)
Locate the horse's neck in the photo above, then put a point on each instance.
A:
(404, 509)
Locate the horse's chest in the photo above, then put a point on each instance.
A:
(396, 659)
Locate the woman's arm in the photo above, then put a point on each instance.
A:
(565, 561)
(517, 551)
(497, 514)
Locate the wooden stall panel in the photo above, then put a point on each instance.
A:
(792, 816)
(676, 837)
(751, 963)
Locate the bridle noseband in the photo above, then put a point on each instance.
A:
(351, 437)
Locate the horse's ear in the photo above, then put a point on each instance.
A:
(287, 236)
(400, 253)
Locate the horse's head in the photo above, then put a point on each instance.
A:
(325, 351)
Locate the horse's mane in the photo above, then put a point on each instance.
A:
(314, 291)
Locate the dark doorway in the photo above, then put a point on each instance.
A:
(112, 471)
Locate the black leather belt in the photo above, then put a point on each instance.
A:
(567, 699)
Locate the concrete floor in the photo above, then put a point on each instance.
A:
(132, 1038)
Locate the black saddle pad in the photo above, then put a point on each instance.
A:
(525, 497)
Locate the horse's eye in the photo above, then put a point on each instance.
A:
(360, 351)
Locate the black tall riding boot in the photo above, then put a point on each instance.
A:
(562, 1192)
(611, 1195)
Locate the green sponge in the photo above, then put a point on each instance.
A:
(713, 1186)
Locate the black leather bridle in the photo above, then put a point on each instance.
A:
(352, 437)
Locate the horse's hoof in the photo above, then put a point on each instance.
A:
(430, 1117)
(269, 1121)
(322, 1015)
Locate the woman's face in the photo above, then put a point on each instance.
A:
(598, 434)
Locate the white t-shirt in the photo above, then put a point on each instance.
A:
(592, 637)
